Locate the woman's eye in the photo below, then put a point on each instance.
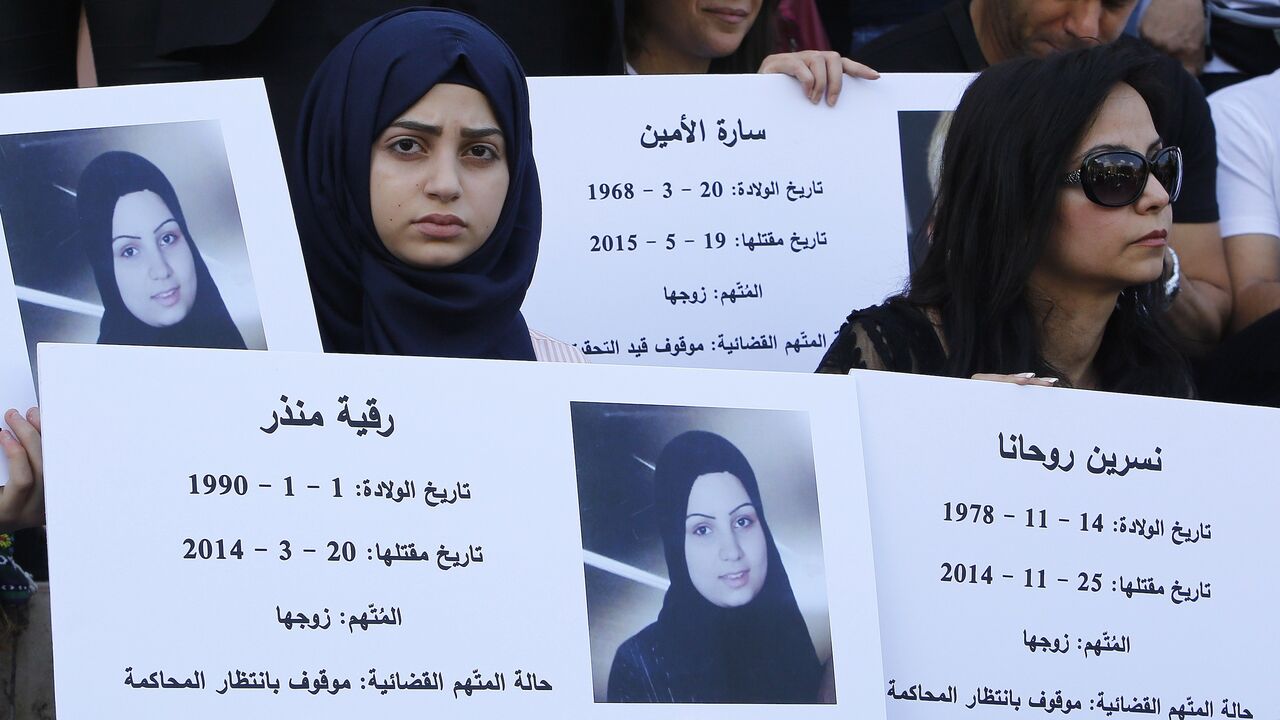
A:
(482, 152)
(744, 521)
(168, 239)
(129, 252)
(701, 530)
(406, 146)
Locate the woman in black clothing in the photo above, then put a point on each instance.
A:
(1046, 261)
(155, 286)
(730, 630)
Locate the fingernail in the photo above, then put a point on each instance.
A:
(1050, 380)
(31, 412)
(1025, 375)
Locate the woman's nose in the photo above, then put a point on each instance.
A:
(159, 268)
(1154, 197)
(442, 182)
(730, 550)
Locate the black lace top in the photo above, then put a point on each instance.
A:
(894, 336)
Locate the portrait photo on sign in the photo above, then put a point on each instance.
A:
(921, 135)
(705, 579)
(127, 235)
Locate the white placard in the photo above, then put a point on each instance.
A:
(718, 221)
(469, 465)
(215, 144)
(1053, 550)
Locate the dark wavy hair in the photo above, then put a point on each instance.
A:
(758, 43)
(1014, 132)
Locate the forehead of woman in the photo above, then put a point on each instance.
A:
(387, 65)
(106, 179)
(688, 457)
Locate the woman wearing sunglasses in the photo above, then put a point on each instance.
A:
(1047, 260)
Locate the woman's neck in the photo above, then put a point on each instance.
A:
(658, 58)
(1071, 325)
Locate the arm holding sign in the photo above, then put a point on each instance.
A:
(22, 500)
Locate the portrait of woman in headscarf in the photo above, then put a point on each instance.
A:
(154, 284)
(730, 629)
(416, 192)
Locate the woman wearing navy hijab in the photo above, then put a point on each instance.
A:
(416, 193)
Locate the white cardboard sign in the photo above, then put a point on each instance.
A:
(718, 221)
(214, 144)
(1061, 551)
(332, 536)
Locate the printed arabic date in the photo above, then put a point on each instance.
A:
(339, 552)
(613, 243)
(218, 484)
(206, 549)
(973, 512)
(615, 191)
(961, 573)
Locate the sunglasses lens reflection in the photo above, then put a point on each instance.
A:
(1167, 167)
(1116, 179)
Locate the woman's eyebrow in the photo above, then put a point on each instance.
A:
(481, 132)
(126, 237)
(166, 222)
(419, 127)
(709, 517)
(745, 504)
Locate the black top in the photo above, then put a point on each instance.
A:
(894, 336)
(886, 12)
(945, 41)
(899, 337)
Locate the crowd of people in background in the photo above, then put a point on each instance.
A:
(1138, 139)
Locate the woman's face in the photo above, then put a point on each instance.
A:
(438, 178)
(1105, 248)
(699, 28)
(154, 267)
(724, 544)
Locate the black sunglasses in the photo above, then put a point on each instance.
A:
(1115, 178)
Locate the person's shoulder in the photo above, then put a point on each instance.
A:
(635, 668)
(549, 349)
(894, 311)
(1258, 95)
(896, 335)
(926, 44)
(644, 642)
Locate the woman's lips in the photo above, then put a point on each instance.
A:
(1155, 238)
(737, 579)
(439, 226)
(169, 297)
(733, 16)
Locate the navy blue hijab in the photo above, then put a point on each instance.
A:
(367, 300)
